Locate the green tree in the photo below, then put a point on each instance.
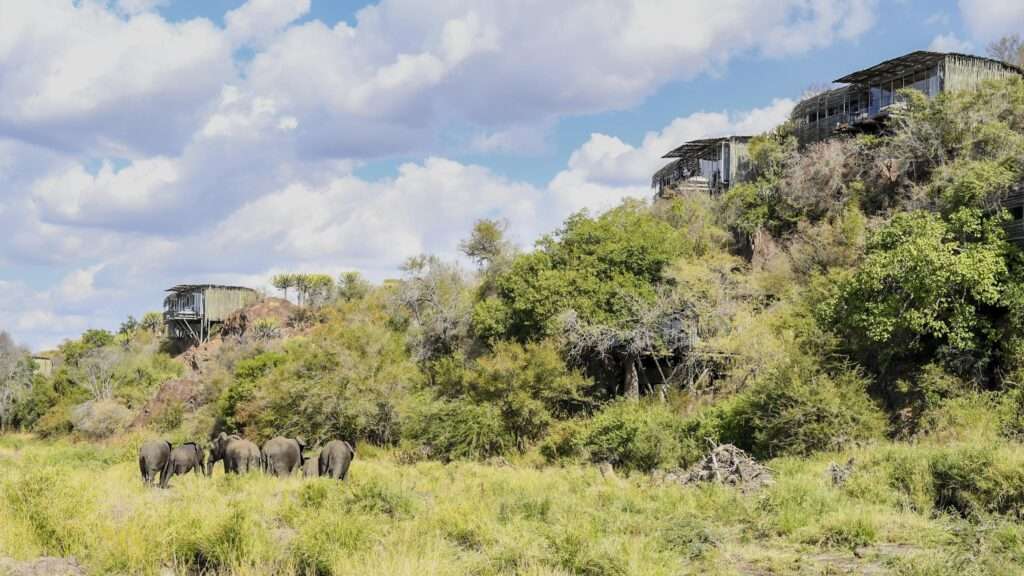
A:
(352, 286)
(72, 351)
(153, 322)
(919, 290)
(529, 384)
(283, 282)
(590, 266)
(602, 270)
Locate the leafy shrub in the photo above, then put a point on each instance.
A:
(565, 441)
(636, 437)
(796, 409)
(454, 430)
(170, 417)
(304, 318)
(55, 422)
(246, 374)
(530, 385)
(100, 419)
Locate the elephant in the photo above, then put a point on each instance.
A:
(239, 455)
(282, 456)
(335, 459)
(155, 456)
(311, 467)
(189, 457)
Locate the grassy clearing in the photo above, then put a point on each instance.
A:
(905, 510)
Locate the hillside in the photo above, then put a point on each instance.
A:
(856, 301)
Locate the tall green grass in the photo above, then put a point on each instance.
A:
(907, 509)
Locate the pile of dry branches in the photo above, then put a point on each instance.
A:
(725, 464)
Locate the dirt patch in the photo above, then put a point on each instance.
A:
(276, 310)
(183, 393)
(863, 560)
(47, 566)
(725, 464)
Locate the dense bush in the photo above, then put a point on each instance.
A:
(635, 436)
(796, 408)
(529, 384)
(100, 419)
(459, 429)
(920, 292)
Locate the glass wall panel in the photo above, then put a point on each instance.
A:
(886, 94)
(874, 100)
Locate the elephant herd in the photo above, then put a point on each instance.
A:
(278, 456)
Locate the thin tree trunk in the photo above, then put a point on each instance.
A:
(631, 381)
(663, 385)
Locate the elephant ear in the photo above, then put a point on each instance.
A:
(301, 442)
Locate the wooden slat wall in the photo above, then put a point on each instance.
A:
(969, 73)
(221, 302)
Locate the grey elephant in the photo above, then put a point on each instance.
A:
(155, 456)
(239, 455)
(282, 456)
(335, 459)
(311, 466)
(189, 457)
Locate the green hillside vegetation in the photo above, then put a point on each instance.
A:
(858, 299)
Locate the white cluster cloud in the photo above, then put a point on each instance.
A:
(74, 195)
(607, 160)
(950, 43)
(78, 77)
(137, 152)
(987, 20)
(256, 21)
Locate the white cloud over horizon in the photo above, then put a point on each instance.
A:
(987, 20)
(136, 152)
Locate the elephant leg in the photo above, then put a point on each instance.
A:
(142, 468)
(165, 474)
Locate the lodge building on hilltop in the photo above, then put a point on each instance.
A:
(192, 310)
(869, 96)
(862, 104)
(709, 165)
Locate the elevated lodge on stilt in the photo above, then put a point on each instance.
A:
(192, 310)
(710, 165)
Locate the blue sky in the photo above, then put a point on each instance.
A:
(144, 143)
